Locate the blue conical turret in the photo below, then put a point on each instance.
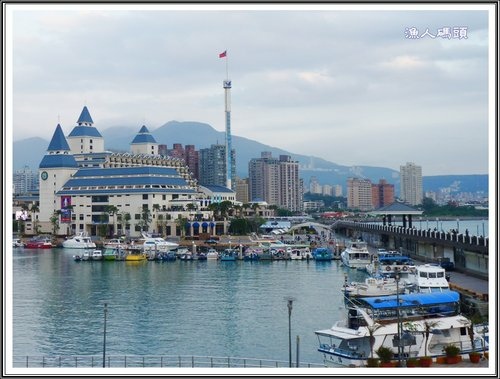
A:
(58, 153)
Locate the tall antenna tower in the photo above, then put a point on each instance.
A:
(226, 84)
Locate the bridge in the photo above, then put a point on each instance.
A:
(469, 253)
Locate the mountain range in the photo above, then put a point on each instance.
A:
(29, 152)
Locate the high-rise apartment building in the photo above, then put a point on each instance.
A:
(359, 194)
(25, 180)
(242, 191)
(382, 194)
(411, 184)
(189, 155)
(212, 166)
(275, 181)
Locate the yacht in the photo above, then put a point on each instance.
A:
(157, 244)
(426, 322)
(356, 255)
(427, 278)
(79, 241)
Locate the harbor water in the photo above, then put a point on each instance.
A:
(209, 308)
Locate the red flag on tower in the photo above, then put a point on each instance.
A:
(223, 54)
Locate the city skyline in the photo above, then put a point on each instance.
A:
(341, 86)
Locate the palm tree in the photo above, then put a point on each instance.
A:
(54, 220)
(181, 224)
(112, 211)
(428, 327)
(125, 220)
(34, 209)
(371, 332)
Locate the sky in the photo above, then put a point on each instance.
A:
(343, 83)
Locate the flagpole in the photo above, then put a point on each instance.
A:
(227, 64)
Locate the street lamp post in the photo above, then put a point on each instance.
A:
(399, 318)
(104, 339)
(290, 306)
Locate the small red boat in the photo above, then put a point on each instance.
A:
(37, 243)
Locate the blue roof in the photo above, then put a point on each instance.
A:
(396, 258)
(85, 117)
(127, 181)
(58, 160)
(216, 188)
(58, 141)
(84, 131)
(412, 300)
(120, 171)
(124, 191)
(144, 136)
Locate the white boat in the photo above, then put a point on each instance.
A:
(79, 241)
(16, 242)
(212, 254)
(356, 255)
(347, 342)
(157, 244)
(390, 264)
(114, 243)
(90, 255)
(301, 254)
(373, 286)
(427, 278)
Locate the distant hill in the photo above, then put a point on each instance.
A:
(30, 152)
(457, 183)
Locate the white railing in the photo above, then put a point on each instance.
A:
(125, 361)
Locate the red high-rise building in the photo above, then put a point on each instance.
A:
(382, 194)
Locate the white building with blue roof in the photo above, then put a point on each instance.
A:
(80, 181)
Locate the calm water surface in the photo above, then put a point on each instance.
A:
(235, 309)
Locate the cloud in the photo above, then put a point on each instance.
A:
(298, 76)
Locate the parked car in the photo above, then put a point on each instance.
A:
(447, 264)
(211, 241)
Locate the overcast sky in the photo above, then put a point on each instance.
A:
(345, 85)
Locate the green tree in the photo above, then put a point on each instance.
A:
(112, 211)
(181, 225)
(145, 219)
(54, 220)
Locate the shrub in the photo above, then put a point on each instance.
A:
(384, 353)
(451, 350)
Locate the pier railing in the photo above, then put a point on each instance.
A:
(479, 242)
(129, 361)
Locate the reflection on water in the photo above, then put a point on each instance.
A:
(235, 309)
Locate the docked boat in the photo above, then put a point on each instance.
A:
(149, 243)
(301, 254)
(16, 242)
(212, 254)
(322, 254)
(373, 286)
(113, 254)
(228, 255)
(79, 241)
(38, 243)
(251, 256)
(89, 255)
(114, 242)
(356, 255)
(390, 264)
(376, 319)
(135, 256)
(169, 256)
(427, 278)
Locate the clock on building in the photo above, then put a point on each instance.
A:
(44, 175)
